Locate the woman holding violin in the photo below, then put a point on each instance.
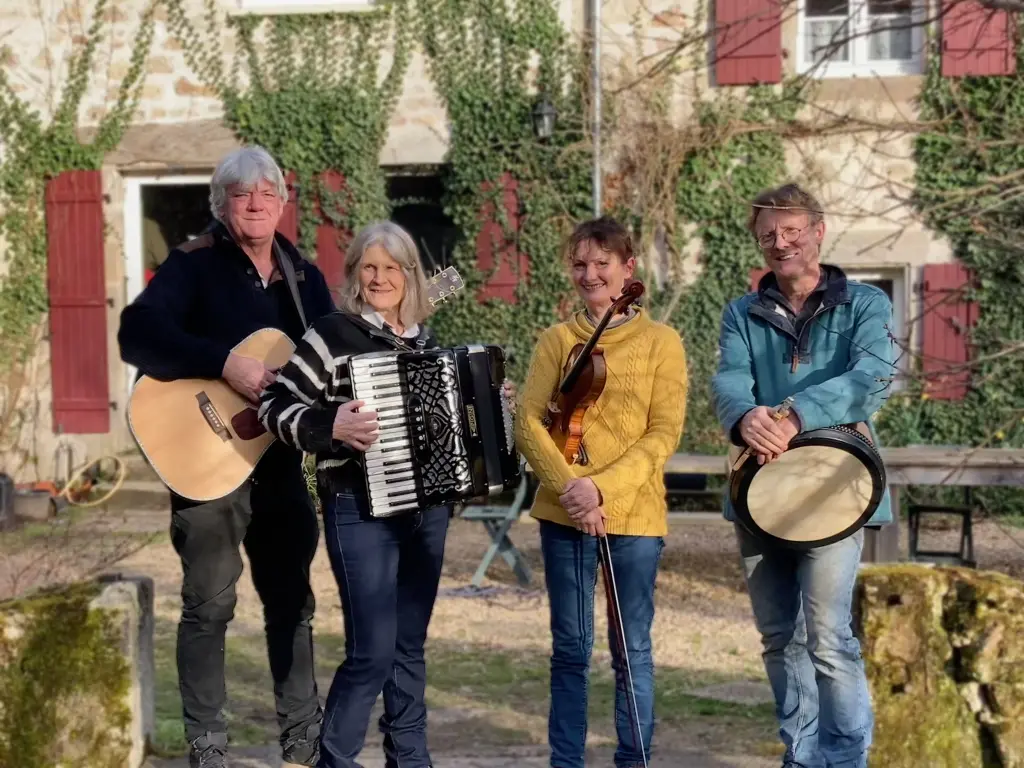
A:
(601, 411)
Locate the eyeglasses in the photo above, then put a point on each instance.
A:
(789, 234)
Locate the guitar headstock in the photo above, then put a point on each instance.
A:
(443, 285)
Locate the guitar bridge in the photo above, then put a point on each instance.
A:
(213, 418)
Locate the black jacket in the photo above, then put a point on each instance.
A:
(205, 299)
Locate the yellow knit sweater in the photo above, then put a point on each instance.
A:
(628, 434)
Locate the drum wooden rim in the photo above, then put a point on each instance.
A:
(842, 438)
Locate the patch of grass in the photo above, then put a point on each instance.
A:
(498, 695)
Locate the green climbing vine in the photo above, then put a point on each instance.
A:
(492, 62)
(966, 189)
(716, 183)
(308, 88)
(37, 148)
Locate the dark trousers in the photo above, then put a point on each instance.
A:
(273, 517)
(388, 570)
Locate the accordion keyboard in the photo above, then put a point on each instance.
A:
(390, 473)
(445, 433)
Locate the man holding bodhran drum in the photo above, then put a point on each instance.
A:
(805, 361)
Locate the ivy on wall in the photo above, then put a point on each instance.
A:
(966, 190)
(309, 89)
(716, 183)
(35, 149)
(491, 62)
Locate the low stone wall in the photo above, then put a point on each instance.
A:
(944, 650)
(76, 676)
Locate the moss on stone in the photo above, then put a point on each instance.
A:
(63, 683)
(944, 652)
(920, 717)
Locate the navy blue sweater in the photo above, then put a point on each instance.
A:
(205, 299)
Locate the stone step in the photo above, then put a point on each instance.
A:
(141, 494)
(136, 467)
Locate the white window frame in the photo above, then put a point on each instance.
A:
(272, 7)
(134, 273)
(859, 64)
(901, 285)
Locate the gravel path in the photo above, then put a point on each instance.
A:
(269, 757)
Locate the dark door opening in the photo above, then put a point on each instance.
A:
(171, 215)
(416, 200)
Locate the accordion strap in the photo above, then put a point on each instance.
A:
(389, 338)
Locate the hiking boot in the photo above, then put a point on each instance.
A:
(208, 751)
(303, 750)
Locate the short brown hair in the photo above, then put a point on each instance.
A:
(607, 233)
(788, 196)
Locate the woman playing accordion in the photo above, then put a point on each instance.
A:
(628, 435)
(387, 568)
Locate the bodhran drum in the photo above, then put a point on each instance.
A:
(824, 488)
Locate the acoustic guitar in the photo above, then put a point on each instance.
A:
(201, 437)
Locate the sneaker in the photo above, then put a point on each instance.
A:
(302, 751)
(208, 751)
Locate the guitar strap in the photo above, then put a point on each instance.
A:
(284, 263)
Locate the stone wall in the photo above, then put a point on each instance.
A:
(77, 676)
(944, 650)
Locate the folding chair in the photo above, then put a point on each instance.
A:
(498, 520)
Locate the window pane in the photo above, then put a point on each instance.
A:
(827, 8)
(827, 40)
(889, 7)
(885, 285)
(890, 39)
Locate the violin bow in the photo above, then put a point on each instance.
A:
(615, 619)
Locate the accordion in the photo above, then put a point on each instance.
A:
(445, 426)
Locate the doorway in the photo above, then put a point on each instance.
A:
(416, 196)
(160, 212)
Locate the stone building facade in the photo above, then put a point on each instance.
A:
(178, 136)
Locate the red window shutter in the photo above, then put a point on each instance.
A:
(497, 252)
(947, 319)
(748, 42)
(976, 40)
(76, 283)
(755, 276)
(289, 222)
(331, 241)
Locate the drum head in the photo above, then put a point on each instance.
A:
(823, 489)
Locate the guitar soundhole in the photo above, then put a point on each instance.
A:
(213, 418)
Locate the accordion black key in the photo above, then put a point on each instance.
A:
(445, 427)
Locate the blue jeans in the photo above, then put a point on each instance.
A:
(387, 571)
(802, 607)
(570, 571)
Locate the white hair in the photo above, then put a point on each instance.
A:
(247, 167)
(414, 307)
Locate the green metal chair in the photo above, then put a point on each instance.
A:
(498, 520)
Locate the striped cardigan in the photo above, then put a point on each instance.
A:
(300, 406)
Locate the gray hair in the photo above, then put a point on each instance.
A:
(246, 166)
(415, 308)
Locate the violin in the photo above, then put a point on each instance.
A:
(583, 378)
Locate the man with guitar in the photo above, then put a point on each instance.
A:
(818, 345)
(210, 294)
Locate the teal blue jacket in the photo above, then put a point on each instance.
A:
(844, 360)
